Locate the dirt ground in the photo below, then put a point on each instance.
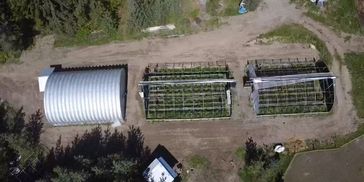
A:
(234, 42)
(344, 164)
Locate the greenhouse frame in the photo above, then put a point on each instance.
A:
(187, 91)
(290, 86)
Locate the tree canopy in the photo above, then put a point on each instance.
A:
(96, 155)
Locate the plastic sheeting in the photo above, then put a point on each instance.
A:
(85, 97)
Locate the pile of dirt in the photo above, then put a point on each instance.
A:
(360, 7)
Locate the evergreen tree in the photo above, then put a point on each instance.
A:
(19, 121)
(34, 127)
(252, 153)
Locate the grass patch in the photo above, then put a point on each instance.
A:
(262, 163)
(240, 153)
(212, 7)
(232, 6)
(295, 33)
(258, 172)
(340, 14)
(252, 5)
(9, 57)
(355, 64)
(199, 162)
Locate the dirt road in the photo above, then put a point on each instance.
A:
(232, 43)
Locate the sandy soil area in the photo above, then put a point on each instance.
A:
(233, 43)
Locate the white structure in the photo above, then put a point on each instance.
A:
(159, 171)
(159, 28)
(75, 96)
(279, 148)
(43, 77)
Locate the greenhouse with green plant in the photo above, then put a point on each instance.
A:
(187, 91)
(290, 86)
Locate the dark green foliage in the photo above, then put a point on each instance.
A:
(251, 151)
(146, 13)
(98, 156)
(16, 32)
(34, 127)
(63, 17)
(262, 163)
(19, 121)
(14, 142)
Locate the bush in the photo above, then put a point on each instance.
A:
(9, 57)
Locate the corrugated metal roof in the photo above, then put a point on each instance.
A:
(85, 97)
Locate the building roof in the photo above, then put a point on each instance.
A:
(159, 170)
(81, 96)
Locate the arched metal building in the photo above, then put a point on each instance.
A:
(85, 96)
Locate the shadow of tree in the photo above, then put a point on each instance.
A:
(100, 154)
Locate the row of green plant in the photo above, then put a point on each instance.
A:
(180, 101)
(154, 95)
(187, 106)
(187, 77)
(216, 113)
(294, 67)
(284, 71)
(292, 109)
(295, 33)
(197, 70)
(341, 15)
(290, 102)
(290, 87)
(283, 97)
(287, 91)
(187, 88)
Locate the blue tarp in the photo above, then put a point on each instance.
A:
(242, 9)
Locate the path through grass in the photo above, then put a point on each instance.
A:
(342, 15)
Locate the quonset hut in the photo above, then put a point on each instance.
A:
(87, 95)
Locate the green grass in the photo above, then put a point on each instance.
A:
(240, 153)
(274, 172)
(198, 162)
(9, 57)
(355, 64)
(212, 7)
(295, 33)
(232, 6)
(342, 15)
